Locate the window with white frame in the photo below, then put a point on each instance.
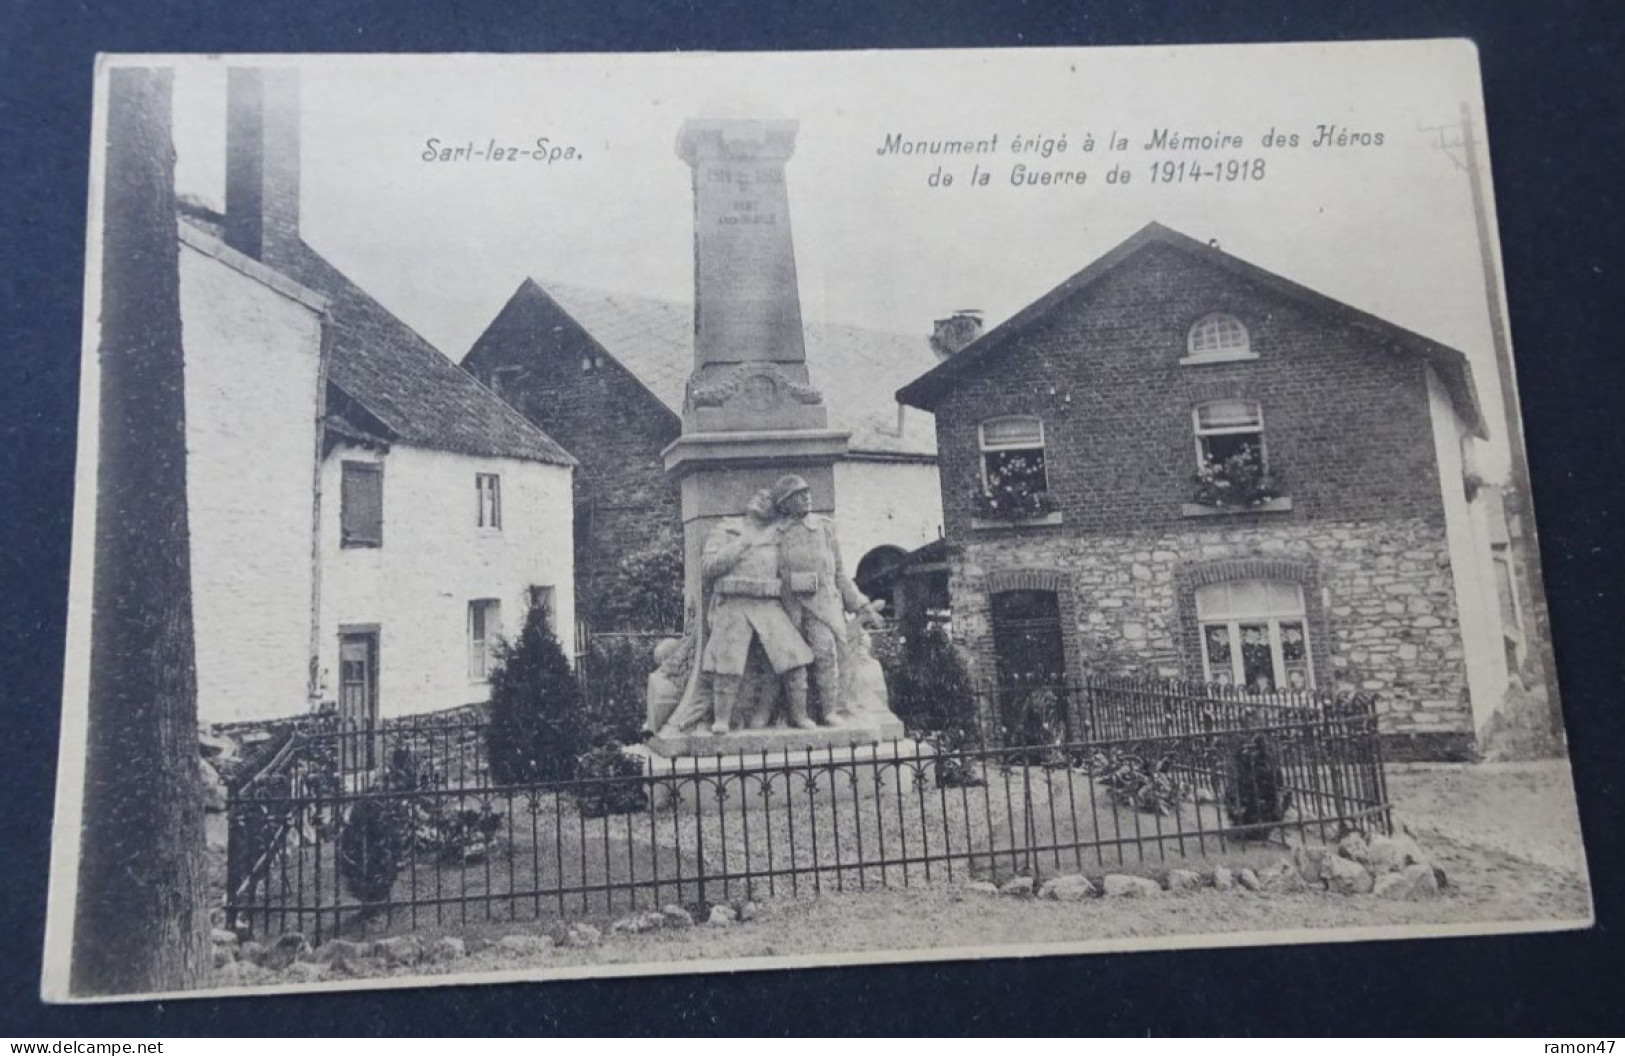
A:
(484, 632)
(1217, 337)
(1227, 429)
(488, 490)
(1255, 634)
(1013, 456)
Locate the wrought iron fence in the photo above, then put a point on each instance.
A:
(1122, 775)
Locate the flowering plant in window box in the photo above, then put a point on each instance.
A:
(1015, 488)
(1237, 482)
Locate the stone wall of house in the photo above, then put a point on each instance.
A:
(416, 587)
(563, 382)
(253, 360)
(1379, 600)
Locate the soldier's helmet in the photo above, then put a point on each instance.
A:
(786, 486)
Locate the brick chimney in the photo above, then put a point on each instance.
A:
(262, 161)
(956, 331)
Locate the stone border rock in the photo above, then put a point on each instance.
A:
(1391, 867)
(291, 959)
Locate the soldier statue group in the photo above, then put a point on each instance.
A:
(773, 609)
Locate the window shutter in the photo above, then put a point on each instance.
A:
(362, 504)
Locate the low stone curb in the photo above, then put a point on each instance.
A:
(291, 959)
(1392, 867)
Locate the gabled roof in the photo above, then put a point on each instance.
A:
(416, 391)
(855, 368)
(412, 390)
(1454, 370)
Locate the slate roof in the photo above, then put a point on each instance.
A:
(412, 389)
(409, 385)
(855, 368)
(1455, 371)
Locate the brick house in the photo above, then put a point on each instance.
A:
(1337, 541)
(414, 514)
(605, 373)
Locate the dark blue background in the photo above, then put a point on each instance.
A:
(1553, 79)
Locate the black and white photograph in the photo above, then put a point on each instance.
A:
(542, 517)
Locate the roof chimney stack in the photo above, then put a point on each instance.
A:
(262, 161)
(950, 335)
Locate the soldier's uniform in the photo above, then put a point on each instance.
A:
(743, 573)
(818, 594)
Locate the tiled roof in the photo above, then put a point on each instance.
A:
(856, 369)
(407, 383)
(925, 391)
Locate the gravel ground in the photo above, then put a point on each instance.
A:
(1507, 836)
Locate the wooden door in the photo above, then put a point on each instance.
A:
(358, 699)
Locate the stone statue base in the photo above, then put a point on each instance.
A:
(840, 773)
(777, 739)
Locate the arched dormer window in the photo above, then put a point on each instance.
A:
(1217, 338)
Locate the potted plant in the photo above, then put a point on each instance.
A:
(1015, 489)
(1239, 481)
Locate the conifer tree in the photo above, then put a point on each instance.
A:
(538, 725)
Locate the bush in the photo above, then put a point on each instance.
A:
(605, 763)
(644, 591)
(929, 685)
(538, 727)
(378, 834)
(465, 835)
(370, 849)
(1254, 792)
(1136, 781)
(953, 770)
(617, 669)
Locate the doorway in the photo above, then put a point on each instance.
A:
(358, 699)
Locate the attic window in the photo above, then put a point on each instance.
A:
(591, 363)
(1217, 338)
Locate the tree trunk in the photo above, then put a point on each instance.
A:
(141, 919)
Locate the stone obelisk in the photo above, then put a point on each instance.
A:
(751, 413)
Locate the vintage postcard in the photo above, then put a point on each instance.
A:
(558, 516)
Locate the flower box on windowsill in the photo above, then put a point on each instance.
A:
(1195, 509)
(1037, 520)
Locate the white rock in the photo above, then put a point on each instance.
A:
(1310, 862)
(398, 950)
(982, 887)
(1124, 886)
(676, 916)
(580, 934)
(1414, 883)
(1344, 876)
(1072, 888)
(721, 915)
(214, 789)
(1184, 880)
(1223, 879)
(524, 945)
(1248, 879)
(1283, 878)
(448, 948)
(305, 972)
(1020, 887)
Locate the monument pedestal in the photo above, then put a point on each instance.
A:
(770, 769)
(777, 740)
